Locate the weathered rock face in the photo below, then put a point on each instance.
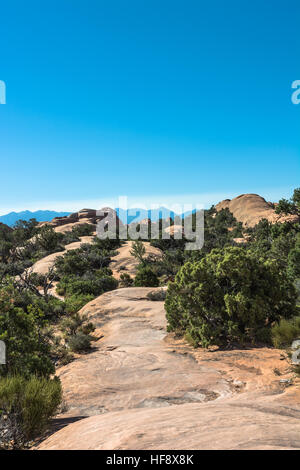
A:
(87, 216)
(143, 389)
(251, 208)
(230, 424)
(173, 229)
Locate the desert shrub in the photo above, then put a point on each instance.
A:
(138, 251)
(285, 332)
(78, 262)
(79, 342)
(94, 286)
(76, 323)
(74, 303)
(126, 280)
(49, 309)
(27, 344)
(146, 277)
(60, 352)
(168, 244)
(83, 230)
(157, 295)
(49, 240)
(107, 244)
(24, 229)
(26, 405)
(291, 206)
(228, 296)
(77, 332)
(169, 264)
(70, 237)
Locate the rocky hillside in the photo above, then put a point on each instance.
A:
(251, 208)
(246, 208)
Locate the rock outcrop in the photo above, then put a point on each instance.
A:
(124, 262)
(84, 216)
(230, 424)
(140, 388)
(251, 208)
(43, 265)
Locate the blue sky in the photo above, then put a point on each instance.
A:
(162, 101)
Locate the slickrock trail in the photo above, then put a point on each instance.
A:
(43, 265)
(142, 389)
(132, 366)
(124, 262)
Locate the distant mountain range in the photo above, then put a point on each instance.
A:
(41, 216)
(125, 216)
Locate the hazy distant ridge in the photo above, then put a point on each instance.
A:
(136, 214)
(41, 216)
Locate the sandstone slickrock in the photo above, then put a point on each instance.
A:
(43, 265)
(251, 208)
(173, 229)
(143, 389)
(227, 424)
(124, 262)
(84, 216)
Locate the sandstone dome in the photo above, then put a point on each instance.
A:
(251, 208)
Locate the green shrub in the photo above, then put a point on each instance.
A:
(228, 296)
(49, 240)
(26, 405)
(75, 323)
(284, 332)
(85, 259)
(77, 331)
(83, 230)
(75, 302)
(93, 286)
(69, 237)
(27, 344)
(126, 280)
(138, 251)
(79, 342)
(107, 244)
(146, 277)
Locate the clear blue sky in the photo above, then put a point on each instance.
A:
(153, 99)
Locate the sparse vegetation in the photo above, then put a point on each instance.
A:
(138, 251)
(284, 332)
(146, 277)
(222, 295)
(229, 296)
(126, 280)
(26, 406)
